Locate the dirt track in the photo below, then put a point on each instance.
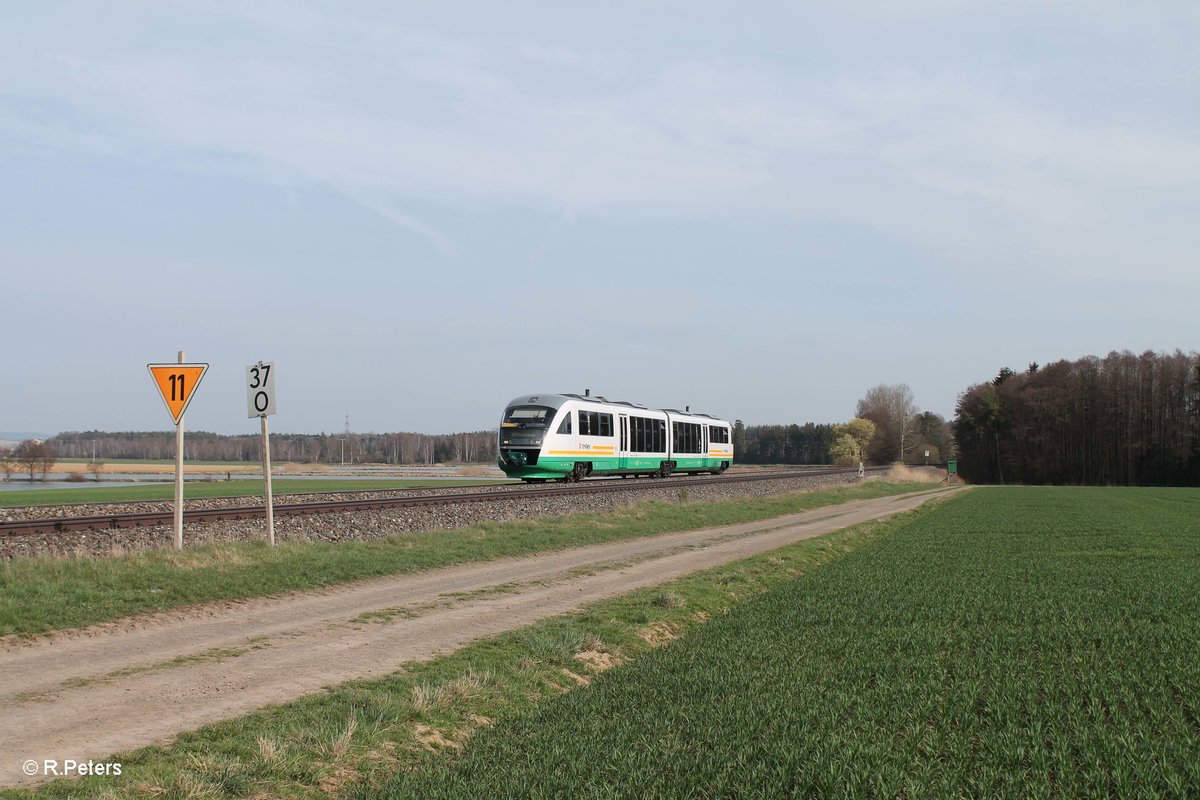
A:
(87, 694)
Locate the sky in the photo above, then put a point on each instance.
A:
(420, 211)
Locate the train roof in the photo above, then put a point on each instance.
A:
(599, 399)
(691, 414)
(557, 400)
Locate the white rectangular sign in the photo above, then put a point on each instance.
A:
(260, 389)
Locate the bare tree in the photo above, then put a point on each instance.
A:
(8, 460)
(29, 454)
(47, 458)
(96, 467)
(894, 413)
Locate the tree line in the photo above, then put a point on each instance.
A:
(1123, 419)
(897, 431)
(323, 448)
(782, 444)
(758, 444)
(887, 428)
(30, 456)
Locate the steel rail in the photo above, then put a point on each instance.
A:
(147, 518)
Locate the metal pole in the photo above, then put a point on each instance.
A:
(267, 481)
(179, 478)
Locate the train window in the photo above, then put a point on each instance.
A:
(525, 425)
(593, 423)
(718, 435)
(565, 425)
(686, 437)
(527, 417)
(649, 435)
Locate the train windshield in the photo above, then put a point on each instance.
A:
(525, 424)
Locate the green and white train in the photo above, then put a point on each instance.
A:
(568, 437)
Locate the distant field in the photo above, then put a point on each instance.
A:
(171, 461)
(193, 489)
(1017, 643)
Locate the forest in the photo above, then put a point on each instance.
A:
(783, 444)
(1124, 419)
(323, 448)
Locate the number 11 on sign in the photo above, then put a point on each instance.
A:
(176, 385)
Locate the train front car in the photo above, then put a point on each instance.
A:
(527, 430)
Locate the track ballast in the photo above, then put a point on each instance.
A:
(115, 521)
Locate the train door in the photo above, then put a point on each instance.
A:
(623, 443)
(704, 444)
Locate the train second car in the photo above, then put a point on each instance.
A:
(571, 437)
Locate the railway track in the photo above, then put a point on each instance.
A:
(113, 521)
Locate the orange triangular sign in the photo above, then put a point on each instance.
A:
(177, 385)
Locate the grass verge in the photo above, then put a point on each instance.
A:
(44, 594)
(360, 734)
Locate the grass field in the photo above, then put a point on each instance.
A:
(43, 594)
(197, 489)
(1017, 643)
(1011, 643)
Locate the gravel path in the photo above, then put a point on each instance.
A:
(87, 694)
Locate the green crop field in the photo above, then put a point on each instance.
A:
(1023, 642)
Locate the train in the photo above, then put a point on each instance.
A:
(569, 437)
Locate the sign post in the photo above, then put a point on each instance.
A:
(260, 402)
(177, 386)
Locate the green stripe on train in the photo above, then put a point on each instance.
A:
(554, 468)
